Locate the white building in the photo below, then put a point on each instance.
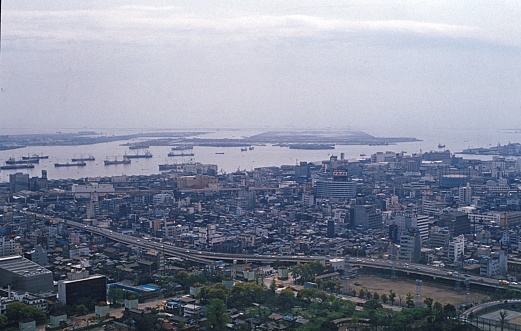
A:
(456, 248)
(494, 264)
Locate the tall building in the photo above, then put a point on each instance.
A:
(457, 222)
(410, 246)
(7, 246)
(365, 216)
(82, 288)
(339, 190)
(456, 248)
(18, 182)
(465, 195)
(494, 264)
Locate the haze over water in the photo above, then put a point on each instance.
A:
(233, 159)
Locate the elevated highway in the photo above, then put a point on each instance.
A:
(204, 257)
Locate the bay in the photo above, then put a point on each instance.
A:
(454, 139)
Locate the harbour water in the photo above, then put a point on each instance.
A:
(230, 159)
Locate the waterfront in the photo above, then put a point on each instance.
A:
(233, 158)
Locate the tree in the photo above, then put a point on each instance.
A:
(376, 296)
(286, 299)
(384, 298)
(3, 321)
(273, 285)
(409, 300)
(428, 302)
(216, 315)
(18, 311)
(392, 296)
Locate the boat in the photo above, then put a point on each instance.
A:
(17, 166)
(219, 153)
(82, 159)
(180, 154)
(35, 157)
(138, 156)
(441, 146)
(116, 161)
(14, 161)
(244, 149)
(251, 148)
(73, 164)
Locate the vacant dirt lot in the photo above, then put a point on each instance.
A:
(401, 287)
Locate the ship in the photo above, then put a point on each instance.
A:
(73, 164)
(244, 149)
(219, 153)
(115, 161)
(14, 161)
(251, 148)
(180, 154)
(138, 156)
(17, 166)
(441, 146)
(35, 157)
(83, 159)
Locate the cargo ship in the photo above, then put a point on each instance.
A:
(17, 166)
(138, 156)
(83, 159)
(14, 161)
(180, 154)
(73, 164)
(35, 157)
(115, 161)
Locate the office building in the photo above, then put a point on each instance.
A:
(88, 289)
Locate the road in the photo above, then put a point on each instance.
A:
(208, 258)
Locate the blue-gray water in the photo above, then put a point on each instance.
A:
(233, 158)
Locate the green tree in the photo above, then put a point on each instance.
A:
(286, 299)
(392, 296)
(409, 300)
(273, 285)
(428, 302)
(3, 321)
(384, 298)
(18, 311)
(376, 296)
(216, 315)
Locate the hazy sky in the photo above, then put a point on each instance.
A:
(241, 63)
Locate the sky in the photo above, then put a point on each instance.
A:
(260, 64)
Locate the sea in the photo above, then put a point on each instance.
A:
(230, 159)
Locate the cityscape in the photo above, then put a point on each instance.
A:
(385, 233)
(296, 165)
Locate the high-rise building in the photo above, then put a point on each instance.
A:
(87, 289)
(340, 190)
(410, 246)
(465, 195)
(7, 246)
(18, 182)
